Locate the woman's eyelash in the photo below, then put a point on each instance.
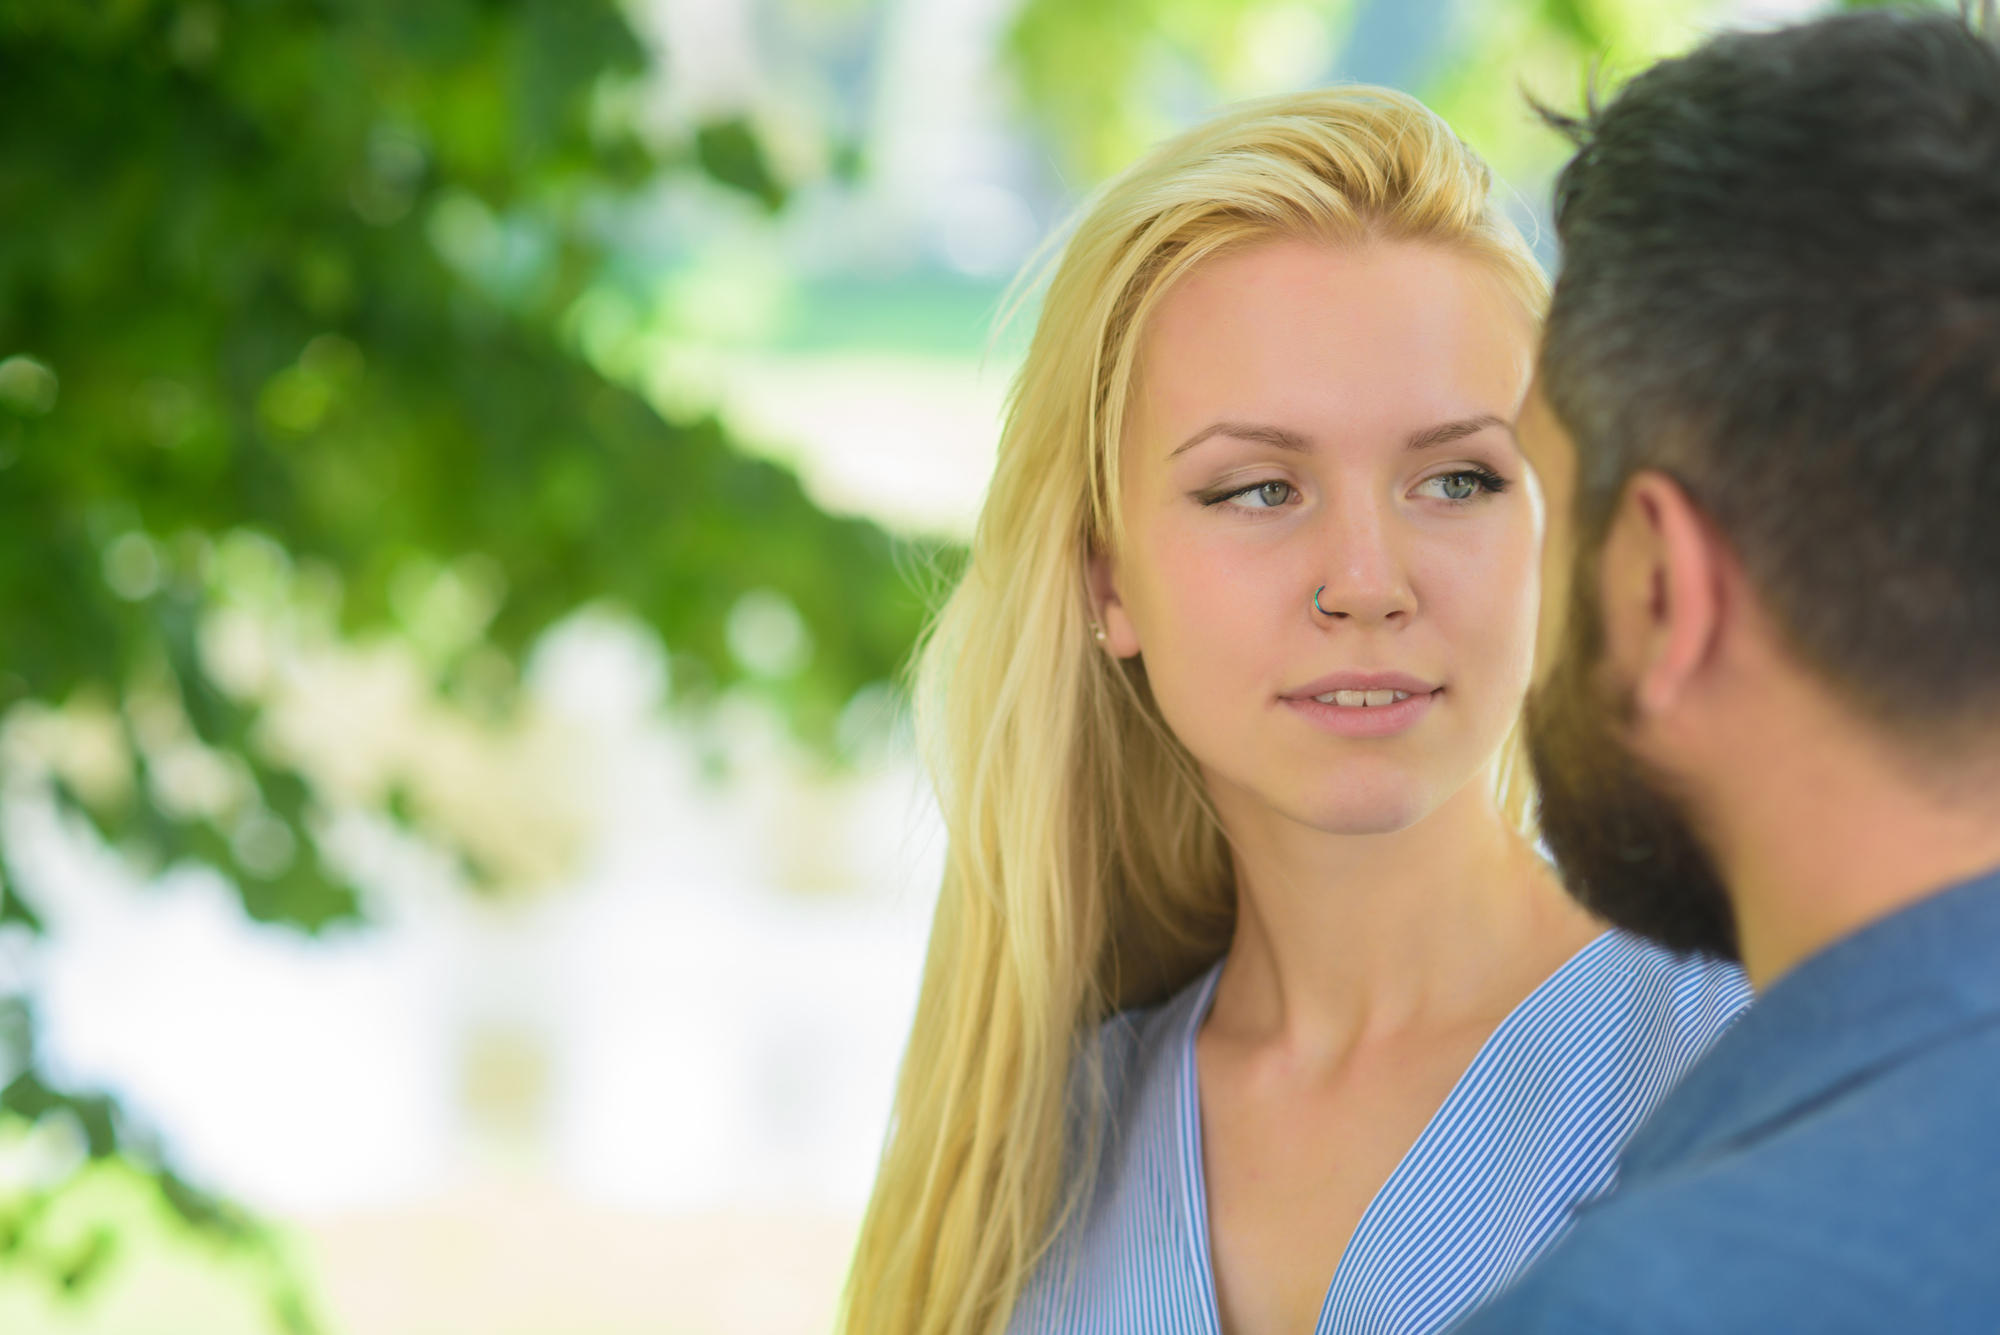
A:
(1231, 493)
(1485, 476)
(1463, 485)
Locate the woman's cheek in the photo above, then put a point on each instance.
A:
(1488, 605)
(1199, 597)
(1208, 609)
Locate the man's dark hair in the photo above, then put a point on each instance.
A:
(1781, 286)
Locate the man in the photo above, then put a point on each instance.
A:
(1769, 406)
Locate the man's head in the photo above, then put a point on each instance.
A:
(1778, 324)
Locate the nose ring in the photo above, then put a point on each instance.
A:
(1316, 607)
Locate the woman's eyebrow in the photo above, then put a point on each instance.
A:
(1275, 436)
(1450, 431)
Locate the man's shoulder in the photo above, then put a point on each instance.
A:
(1871, 1210)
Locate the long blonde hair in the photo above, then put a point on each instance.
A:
(1085, 871)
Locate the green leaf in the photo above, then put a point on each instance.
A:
(730, 152)
(13, 909)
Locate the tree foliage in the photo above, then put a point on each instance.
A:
(291, 276)
(1110, 76)
(300, 268)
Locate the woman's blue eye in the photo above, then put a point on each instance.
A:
(1463, 485)
(1263, 496)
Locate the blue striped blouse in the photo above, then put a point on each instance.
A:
(1529, 1132)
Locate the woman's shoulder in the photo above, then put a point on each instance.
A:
(1126, 1085)
(1142, 1044)
(1662, 996)
(1132, 1099)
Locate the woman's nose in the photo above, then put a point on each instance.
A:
(1365, 579)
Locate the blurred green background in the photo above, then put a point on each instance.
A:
(349, 346)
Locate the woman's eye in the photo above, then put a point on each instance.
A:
(1463, 485)
(1263, 496)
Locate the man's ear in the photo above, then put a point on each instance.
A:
(1661, 580)
(1121, 637)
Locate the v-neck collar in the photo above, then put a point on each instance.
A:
(1193, 1174)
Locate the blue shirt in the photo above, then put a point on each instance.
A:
(1530, 1130)
(1833, 1165)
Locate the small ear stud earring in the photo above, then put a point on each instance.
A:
(1097, 632)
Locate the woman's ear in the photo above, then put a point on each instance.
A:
(1119, 637)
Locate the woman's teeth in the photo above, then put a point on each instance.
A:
(1362, 699)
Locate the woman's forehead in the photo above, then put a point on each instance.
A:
(1317, 341)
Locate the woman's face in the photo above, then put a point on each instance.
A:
(1311, 416)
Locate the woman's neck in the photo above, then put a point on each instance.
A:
(1344, 938)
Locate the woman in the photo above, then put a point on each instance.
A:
(1249, 1005)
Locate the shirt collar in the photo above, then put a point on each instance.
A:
(1895, 987)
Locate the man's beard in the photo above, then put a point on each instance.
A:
(1626, 850)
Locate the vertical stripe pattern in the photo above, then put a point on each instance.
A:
(1531, 1130)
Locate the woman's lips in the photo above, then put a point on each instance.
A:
(1365, 720)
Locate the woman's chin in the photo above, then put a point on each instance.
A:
(1378, 809)
(1354, 799)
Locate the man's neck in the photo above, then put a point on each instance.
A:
(1830, 830)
